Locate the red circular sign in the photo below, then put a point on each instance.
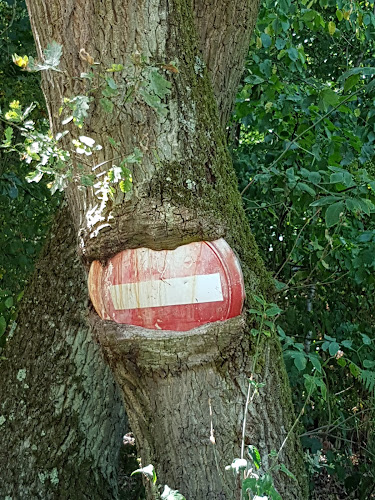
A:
(176, 289)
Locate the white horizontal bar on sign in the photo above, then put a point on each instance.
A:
(167, 292)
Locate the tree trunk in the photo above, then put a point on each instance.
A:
(184, 190)
(61, 417)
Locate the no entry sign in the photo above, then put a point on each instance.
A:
(176, 289)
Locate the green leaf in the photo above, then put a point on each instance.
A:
(88, 76)
(255, 456)
(287, 472)
(280, 43)
(154, 102)
(9, 302)
(255, 311)
(3, 325)
(368, 379)
(333, 213)
(351, 82)
(305, 187)
(309, 15)
(333, 348)
(300, 361)
(109, 92)
(330, 97)
(111, 83)
(8, 134)
(337, 178)
(331, 28)
(135, 157)
(339, 15)
(106, 104)
(80, 106)
(274, 310)
(158, 84)
(266, 40)
(368, 71)
(279, 285)
(325, 200)
(293, 54)
(366, 339)
(125, 185)
(51, 55)
(254, 79)
(249, 483)
(88, 180)
(354, 369)
(315, 362)
(260, 300)
(115, 67)
(113, 143)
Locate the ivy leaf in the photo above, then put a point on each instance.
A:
(106, 104)
(154, 102)
(158, 84)
(111, 83)
(333, 213)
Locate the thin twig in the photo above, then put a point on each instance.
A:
(303, 133)
(296, 241)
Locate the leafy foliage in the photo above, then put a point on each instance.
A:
(25, 209)
(303, 145)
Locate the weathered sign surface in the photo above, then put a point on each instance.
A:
(176, 289)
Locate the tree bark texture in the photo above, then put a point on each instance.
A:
(61, 416)
(184, 190)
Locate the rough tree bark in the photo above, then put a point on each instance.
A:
(184, 190)
(61, 416)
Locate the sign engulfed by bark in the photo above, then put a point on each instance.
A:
(176, 290)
